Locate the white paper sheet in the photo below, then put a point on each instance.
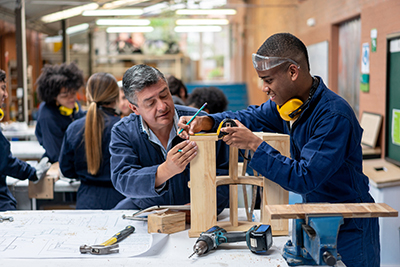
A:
(59, 234)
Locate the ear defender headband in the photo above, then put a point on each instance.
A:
(262, 63)
(1, 114)
(68, 111)
(293, 107)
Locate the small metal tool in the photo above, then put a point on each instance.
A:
(99, 249)
(110, 245)
(137, 216)
(6, 219)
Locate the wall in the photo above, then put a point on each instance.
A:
(263, 20)
(8, 45)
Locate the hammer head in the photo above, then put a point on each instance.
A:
(99, 249)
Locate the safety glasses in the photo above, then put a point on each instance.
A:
(262, 63)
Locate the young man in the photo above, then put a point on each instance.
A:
(326, 157)
(12, 166)
(57, 88)
(149, 162)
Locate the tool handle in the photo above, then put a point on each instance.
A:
(235, 237)
(119, 236)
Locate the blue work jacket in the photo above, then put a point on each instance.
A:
(325, 163)
(50, 128)
(95, 191)
(11, 166)
(134, 163)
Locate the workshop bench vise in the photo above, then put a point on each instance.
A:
(314, 241)
(316, 227)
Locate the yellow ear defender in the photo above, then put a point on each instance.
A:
(1, 114)
(68, 111)
(291, 109)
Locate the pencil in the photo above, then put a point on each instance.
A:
(194, 116)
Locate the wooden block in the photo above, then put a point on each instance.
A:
(348, 210)
(44, 189)
(167, 223)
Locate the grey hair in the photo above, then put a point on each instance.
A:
(138, 78)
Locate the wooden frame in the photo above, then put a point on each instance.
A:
(204, 182)
(371, 123)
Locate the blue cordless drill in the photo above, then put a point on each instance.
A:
(258, 239)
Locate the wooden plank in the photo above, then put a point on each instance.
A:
(203, 192)
(348, 210)
(223, 180)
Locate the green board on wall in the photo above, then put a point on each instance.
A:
(393, 103)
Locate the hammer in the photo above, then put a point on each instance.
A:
(110, 245)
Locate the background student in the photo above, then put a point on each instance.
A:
(11, 166)
(85, 149)
(57, 86)
(178, 90)
(123, 103)
(215, 98)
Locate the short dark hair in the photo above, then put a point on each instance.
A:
(215, 98)
(284, 45)
(139, 77)
(56, 77)
(2, 76)
(175, 86)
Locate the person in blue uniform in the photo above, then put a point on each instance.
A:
(325, 137)
(57, 86)
(11, 166)
(85, 150)
(149, 162)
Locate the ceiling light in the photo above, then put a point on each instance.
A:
(53, 39)
(68, 13)
(155, 9)
(129, 29)
(202, 22)
(113, 12)
(119, 3)
(77, 28)
(198, 29)
(205, 12)
(123, 22)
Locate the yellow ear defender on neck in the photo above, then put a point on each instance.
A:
(1, 114)
(68, 111)
(291, 109)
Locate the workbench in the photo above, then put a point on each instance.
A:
(67, 229)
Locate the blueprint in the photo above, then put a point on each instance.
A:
(59, 234)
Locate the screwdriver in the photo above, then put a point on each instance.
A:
(119, 236)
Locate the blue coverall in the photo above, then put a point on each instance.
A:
(325, 164)
(134, 163)
(95, 191)
(50, 128)
(13, 167)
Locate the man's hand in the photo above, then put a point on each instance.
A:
(41, 169)
(241, 137)
(177, 159)
(200, 123)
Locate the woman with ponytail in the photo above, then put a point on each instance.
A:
(84, 152)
